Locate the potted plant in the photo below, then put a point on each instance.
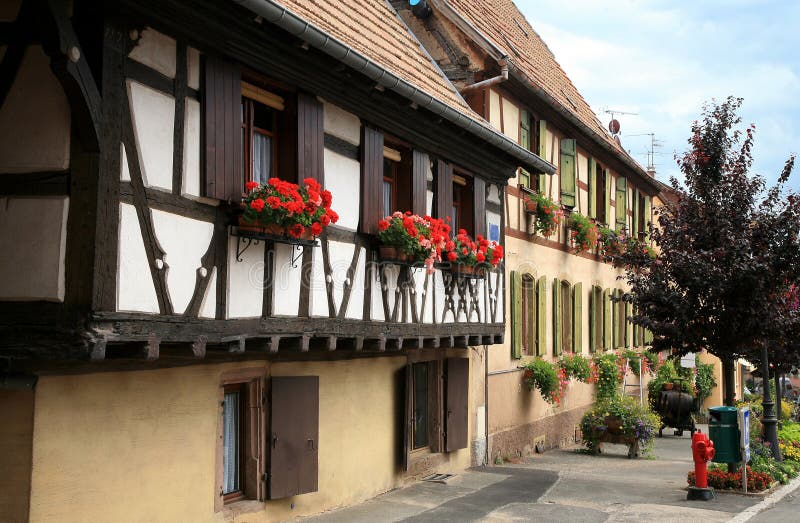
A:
(408, 237)
(621, 420)
(287, 209)
(583, 232)
(610, 243)
(545, 212)
(549, 378)
(472, 257)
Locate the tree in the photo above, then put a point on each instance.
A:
(727, 251)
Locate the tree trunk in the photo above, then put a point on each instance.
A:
(729, 382)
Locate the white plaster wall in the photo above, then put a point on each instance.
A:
(155, 50)
(510, 120)
(153, 115)
(429, 202)
(286, 282)
(125, 174)
(355, 308)
(494, 110)
(208, 308)
(376, 308)
(340, 255)
(245, 281)
(342, 124)
(135, 290)
(184, 241)
(389, 281)
(33, 233)
(191, 149)
(493, 195)
(319, 294)
(343, 180)
(34, 119)
(193, 68)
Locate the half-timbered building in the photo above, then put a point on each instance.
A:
(158, 363)
(557, 300)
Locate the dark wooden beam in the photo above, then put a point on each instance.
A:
(173, 203)
(35, 184)
(342, 147)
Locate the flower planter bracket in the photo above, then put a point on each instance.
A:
(244, 239)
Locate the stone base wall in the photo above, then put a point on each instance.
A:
(558, 430)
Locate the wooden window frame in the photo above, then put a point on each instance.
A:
(250, 130)
(243, 432)
(600, 193)
(463, 207)
(402, 174)
(430, 370)
(565, 303)
(529, 324)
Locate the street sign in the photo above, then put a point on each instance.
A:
(744, 429)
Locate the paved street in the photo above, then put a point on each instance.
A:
(787, 509)
(563, 485)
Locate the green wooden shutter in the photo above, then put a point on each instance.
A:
(635, 224)
(567, 169)
(541, 316)
(592, 326)
(592, 188)
(648, 337)
(529, 288)
(516, 315)
(647, 218)
(542, 153)
(556, 316)
(621, 202)
(628, 314)
(608, 197)
(577, 318)
(606, 319)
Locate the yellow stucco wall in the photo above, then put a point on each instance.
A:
(141, 446)
(16, 431)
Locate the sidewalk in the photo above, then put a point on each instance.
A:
(560, 485)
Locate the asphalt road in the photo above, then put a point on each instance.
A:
(784, 511)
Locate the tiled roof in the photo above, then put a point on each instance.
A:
(506, 27)
(373, 29)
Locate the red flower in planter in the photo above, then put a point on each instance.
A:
(257, 205)
(250, 186)
(316, 228)
(297, 230)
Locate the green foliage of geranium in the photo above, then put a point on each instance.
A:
(635, 421)
(542, 375)
(576, 367)
(609, 376)
(547, 215)
(583, 232)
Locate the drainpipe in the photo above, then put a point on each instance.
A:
(502, 77)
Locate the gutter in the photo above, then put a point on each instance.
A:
(290, 22)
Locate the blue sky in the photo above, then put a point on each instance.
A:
(663, 59)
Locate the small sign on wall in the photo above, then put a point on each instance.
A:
(687, 361)
(494, 232)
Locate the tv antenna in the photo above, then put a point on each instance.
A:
(651, 152)
(613, 125)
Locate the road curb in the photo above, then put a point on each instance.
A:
(767, 502)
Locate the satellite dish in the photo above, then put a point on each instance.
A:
(613, 126)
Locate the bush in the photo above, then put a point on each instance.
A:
(790, 432)
(609, 376)
(543, 375)
(576, 366)
(761, 460)
(636, 421)
(704, 380)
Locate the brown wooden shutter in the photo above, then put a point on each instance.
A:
(457, 404)
(294, 423)
(419, 183)
(310, 138)
(254, 457)
(222, 99)
(408, 414)
(479, 209)
(371, 179)
(444, 190)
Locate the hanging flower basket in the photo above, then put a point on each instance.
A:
(544, 212)
(274, 229)
(469, 257)
(408, 237)
(531, 206)
(393, 253)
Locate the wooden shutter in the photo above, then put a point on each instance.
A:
(444, 190)
(592, 180)
(567, 169)
(621, 202)
(294, 425)
(607, 319)
(254, 454)
(608, 196)
(310, 138)
(592, 325)
(556, 316)
(541, 316)
(457, 404)
(516, 315)
(419, 182)
(479, 205)
(407, 419)
(648, 211)
(577, 318)
(371, 179)
(648, 337)
(525, 129)
(222, 106)
(542, 153)
(628, 311)
(636, 210)
(530, 318)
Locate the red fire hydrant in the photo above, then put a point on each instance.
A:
(702, 452)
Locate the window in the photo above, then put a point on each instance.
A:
(596, 319)
(566, 317)
(463, 212)
(233, 409)
(526, 142)
(528, 314)
(260, 113)
(396, 180)
(620, 321)
(528, 302)
(600, 194)
(641, 215)
(419, 431)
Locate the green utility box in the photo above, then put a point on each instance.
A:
(723, 430)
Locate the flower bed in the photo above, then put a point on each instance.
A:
(290, 209)
(719, 478)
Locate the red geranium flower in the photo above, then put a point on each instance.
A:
(383, 225)
(257, 205)
(250, 185)
(452, 256)
(316, 229)
(297, 230)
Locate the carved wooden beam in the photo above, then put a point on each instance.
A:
(199, 347)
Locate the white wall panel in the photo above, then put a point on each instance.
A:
(191, 149)
(155, 50)
(34, 119)
(208, 308)
(340, 255)
(184, 241)
(193, 66)
(33, 235)
(510, 120)
(355, 307)
(125, 174)
(319, 293)
(245, 281)
(135, 290)
(153, 117)
(343, 180)
(286, 282)
(339, 122)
